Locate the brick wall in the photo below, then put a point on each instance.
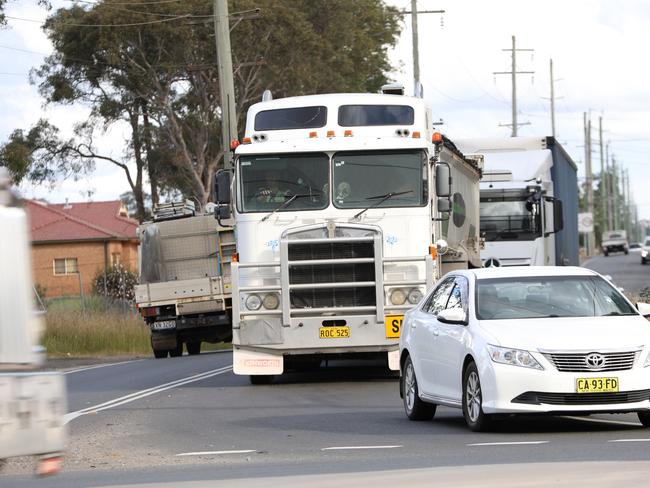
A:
(90, 260)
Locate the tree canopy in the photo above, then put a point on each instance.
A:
(152, 69)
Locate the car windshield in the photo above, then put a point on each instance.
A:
(363, 179)
(268, 182)
(509, 219)
(556, 296)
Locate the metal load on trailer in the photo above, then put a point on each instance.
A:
(185, 295)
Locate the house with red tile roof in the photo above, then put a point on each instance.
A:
(73, 242)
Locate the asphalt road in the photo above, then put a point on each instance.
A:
(191, 419)
(626, 271)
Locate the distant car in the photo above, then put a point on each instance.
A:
(645, 251)
(525, 340)
(635, 247)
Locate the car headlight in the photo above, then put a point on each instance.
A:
(644, 253)
(253, 302)
(271, 301)
(515, 357)
(414, 296)
(397, 296)
(647, 361)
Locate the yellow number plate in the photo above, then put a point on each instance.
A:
(334, 332)
(393, 325)
(596, 385)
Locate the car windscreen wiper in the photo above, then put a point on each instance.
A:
(381, 199)
(285, 204)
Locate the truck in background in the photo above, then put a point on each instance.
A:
(184, 292)
(529, 201)
(614, 241)
(341, 204)
(32, 404)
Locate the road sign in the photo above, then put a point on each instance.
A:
(585, 222)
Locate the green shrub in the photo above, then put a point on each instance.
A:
(116, 282)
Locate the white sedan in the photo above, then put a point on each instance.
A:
(525, 340)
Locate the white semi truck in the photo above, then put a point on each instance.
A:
(529, 201)
(347, 208)
(32, 402)
(184, 291)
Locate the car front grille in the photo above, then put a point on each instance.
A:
(538, 398)
(578, 362)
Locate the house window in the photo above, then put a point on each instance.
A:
(116, 258)
(65, 266)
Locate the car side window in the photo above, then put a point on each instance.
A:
(458, 295)
(439, 297)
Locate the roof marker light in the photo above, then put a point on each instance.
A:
(233, 144)
(247, 140)
(313, 134)
(416, 135)
(330, 133)
(347, 133)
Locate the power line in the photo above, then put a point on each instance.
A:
(133, 24)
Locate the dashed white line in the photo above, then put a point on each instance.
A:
(521, 443)
(343, 448)
(116, 402)
(216, 453)
(604, 421)
(630, 440)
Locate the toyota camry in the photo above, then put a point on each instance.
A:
(525, 340)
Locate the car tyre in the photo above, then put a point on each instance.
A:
(261, 379)
(643, 261)
(193, 348)
(475, 418)
(605, 253)
(644, 418)
(160, 353)
(415, 408)
(177, 351)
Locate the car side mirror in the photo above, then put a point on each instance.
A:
(644, 309)
(453, 316)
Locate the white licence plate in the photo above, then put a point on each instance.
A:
(163, 324)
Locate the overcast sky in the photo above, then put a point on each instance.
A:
(599, 52)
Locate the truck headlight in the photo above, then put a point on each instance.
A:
(253, 302)
(415, 295)
(397, 296)
(515, 357)
(271, 301)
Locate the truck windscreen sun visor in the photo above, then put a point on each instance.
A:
(369, 115)
(291, 118)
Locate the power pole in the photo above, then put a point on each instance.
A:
(226, 83)
(615, 193)
(416, 50)
(513, 73)
(608, 182)
(590, 190)
(603, 184)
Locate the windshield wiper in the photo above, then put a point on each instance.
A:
(381, 199)
(285, 204)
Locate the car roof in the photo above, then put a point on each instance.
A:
(528, 271)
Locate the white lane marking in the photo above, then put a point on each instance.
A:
(116, 402)
(630, 440)
(213, 453)
(604, 421)
(522, 443)
(86, 368)
(342, 448)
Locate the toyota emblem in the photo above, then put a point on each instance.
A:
(595, 360)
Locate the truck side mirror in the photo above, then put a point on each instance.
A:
(444, 205)
(443, 180)
(222, 187)
(558, 216)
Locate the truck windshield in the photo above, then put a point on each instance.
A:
(509, 219)
(267, 182)
(360, 177)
